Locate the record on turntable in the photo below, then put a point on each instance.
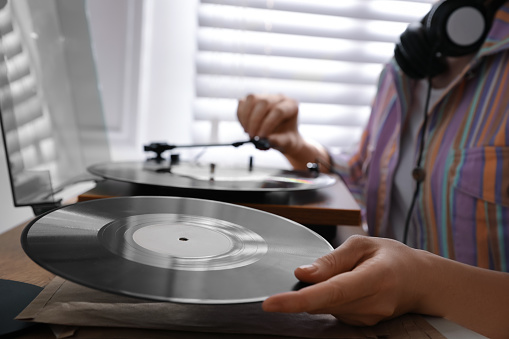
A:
(173, 249)
(212, 177)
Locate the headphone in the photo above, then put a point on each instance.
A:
(451, 28)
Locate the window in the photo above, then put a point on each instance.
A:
(327, 54)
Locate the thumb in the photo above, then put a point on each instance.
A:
(321, 270)
(343, 259)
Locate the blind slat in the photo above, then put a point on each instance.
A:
(339, 136)
(214, 109)
(390, 10)
(298, 23)
(10, 45)
(303, 91)
(286, 68)
(263, 43)
(22, 114)
(28, 135)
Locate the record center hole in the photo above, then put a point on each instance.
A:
(183, 239)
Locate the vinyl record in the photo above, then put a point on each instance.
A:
(173, 249)
(198, 177)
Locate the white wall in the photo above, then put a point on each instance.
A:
(168, 61)
(145, 58)
(116, 29)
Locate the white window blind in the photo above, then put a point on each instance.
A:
(327, 54)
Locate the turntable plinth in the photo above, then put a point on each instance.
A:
(333, 205)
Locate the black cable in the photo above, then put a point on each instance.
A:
(418, 172)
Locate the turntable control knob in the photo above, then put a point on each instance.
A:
(314, 168)
(212, 171)
(175, 158)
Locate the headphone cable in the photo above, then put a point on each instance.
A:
(418, 172)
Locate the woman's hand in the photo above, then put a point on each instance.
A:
(361, 282)
(275, 117)
(367, 280)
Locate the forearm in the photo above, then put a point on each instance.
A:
(470, 296)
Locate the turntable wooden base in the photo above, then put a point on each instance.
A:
(333, 205)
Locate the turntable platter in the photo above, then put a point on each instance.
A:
(197, 177)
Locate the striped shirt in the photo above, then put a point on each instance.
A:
(462, 210)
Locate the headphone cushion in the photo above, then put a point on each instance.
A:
(413, 53)
(452, 24)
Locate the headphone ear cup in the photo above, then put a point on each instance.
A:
(459, 27)
(414, 53)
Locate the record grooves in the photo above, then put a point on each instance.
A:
(173, 249)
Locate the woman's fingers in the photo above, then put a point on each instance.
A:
(278, 114)
(260, 115)
(330, 294)
(343, 259)
(363, 281)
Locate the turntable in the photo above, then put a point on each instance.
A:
(198, 177)
(308, 197)
(167, 247)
